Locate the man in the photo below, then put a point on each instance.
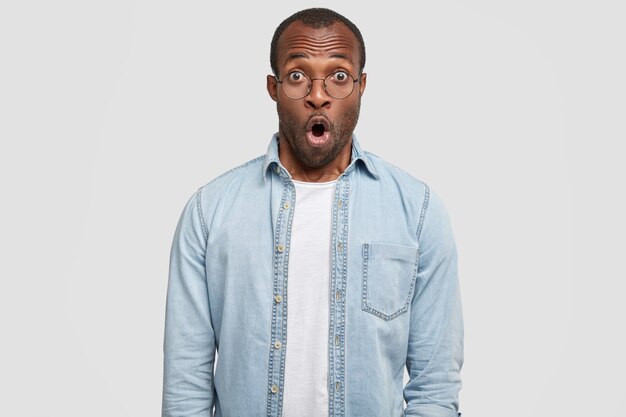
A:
(317, 271)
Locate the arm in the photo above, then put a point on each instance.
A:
(435, 348)
(189, 345)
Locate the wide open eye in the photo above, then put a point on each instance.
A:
(340, 77)
(296, 77)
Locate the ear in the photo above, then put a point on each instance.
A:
(362, 81)
(272, 87)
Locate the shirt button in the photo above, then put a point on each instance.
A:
(337, 385)
(339, 246)
(277, 344)
(340, 203)
(276, 168)
(286, 206)
(338, 296)
(336, 340)
(280, 248)
(274, 389)
(278, 298)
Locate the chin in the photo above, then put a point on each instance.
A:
(319, 157)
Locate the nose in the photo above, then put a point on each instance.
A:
(318, 97)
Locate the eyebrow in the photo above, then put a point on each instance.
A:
(296, 55)
(341, 56)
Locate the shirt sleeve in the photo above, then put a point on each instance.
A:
(435, 347)
(189, 343)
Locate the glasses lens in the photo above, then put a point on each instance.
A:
(339, 84)
(296, 85)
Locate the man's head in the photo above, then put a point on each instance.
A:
(315, 18)
(317, 57)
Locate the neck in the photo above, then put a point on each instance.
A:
(325, 173)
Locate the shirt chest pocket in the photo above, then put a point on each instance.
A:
(389, 273)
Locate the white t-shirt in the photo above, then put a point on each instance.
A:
(306, 362)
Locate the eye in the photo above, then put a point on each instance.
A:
(340, 77)
(296, 77)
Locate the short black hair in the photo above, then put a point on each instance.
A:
(315, 18)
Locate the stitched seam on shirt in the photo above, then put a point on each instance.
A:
(385, 162)
(200, 216)
(205, 231)
(257, 159)
(423, 213)
(285, 286)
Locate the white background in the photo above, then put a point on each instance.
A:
(112, 113)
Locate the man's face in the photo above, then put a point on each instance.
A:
(318, 127)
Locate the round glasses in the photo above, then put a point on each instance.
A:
(297, 85)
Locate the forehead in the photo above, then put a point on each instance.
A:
(334, 41)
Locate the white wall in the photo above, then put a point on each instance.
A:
(113, 112)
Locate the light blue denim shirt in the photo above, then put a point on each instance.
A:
(394, 296)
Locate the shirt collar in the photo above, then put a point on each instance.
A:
(273, 162)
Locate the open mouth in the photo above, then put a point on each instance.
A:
(318, 132)
(318, 125)
(318, 129)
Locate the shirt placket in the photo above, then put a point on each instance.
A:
(337, 316)
(282, 236)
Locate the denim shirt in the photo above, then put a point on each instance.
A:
(394, 296)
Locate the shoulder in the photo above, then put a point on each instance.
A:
(389, 173)
(227, 185)
(414, 192)
(246, 173)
